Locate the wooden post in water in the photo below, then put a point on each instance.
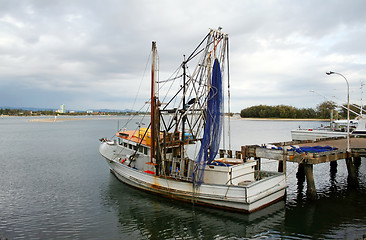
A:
(282, 163)
(311, 190)
(357, 161)
(222, 153)
(237, 154)
(258, 166)
(333, 170)
(300, 175)
(244, 153)
(229, 153)
(333, 165)
(352, 176)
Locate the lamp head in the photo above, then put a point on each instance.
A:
(329, 73)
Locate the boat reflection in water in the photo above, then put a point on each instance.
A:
(144, 215)
(150, 216)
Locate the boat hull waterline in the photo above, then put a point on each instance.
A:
(252, 197)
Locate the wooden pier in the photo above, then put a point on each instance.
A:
(306, 160)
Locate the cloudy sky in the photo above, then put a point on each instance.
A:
(93, 53)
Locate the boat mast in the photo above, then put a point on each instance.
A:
(154, 97)
(184, 109)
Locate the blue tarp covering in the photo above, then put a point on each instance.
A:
(314, 149)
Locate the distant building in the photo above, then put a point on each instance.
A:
(89, 112)
(62, 109)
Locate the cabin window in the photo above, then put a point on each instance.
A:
(130, 146)
(141, 148)
(145, 150)
(125, 144)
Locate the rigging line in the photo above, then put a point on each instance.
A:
(137, 93)
(173, 97)
(133, 116)
(162, 119)
(214, 48)
(228, 89)
(187, 85)
(170, 79)
(139, 144)
(196, 54)
(120, 152)
(180, 118)
(148, 60)
(190, 56)
(166, 95)
(293, 170)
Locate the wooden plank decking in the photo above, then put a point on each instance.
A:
(357, 145)
(306, 160)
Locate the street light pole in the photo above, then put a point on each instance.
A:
(329, 73)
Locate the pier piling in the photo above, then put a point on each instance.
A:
(300, 175)
(352, 176)
(282, 163)
(258, 166)
(333, 165)
(311, 190)
(229, 153)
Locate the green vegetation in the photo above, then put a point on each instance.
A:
(21, 112)
(322, 111)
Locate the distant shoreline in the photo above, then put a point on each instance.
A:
(81, 117)
(285, 119)
(58, 119)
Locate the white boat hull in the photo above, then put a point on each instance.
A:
(249, 198)
(314, 134)
(357, 128)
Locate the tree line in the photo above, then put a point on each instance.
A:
(21, 112)
(322, 111)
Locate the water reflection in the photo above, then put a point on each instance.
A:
(155, 217)
(327, 216)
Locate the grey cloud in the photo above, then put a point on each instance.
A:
(86, 52)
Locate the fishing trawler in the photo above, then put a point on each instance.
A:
(176, 155)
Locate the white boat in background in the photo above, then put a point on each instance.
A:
(360, 130)
(338, 129)
(175, 156)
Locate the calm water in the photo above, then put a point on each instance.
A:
(55, 185)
